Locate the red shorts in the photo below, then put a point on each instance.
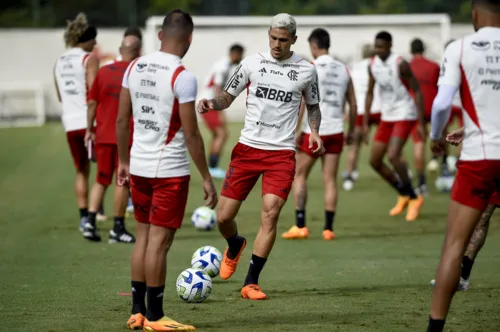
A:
(333, 144)
(456, 113)
(213, 119)
(160, 201)
(415, 135)
(107, 162)
(400, 129)
(476, 182)
(277, 168)
(374, 119)
(79, 153)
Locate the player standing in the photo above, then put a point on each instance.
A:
(359, 76)
(74, 73)
(427, 74)
(399, 116)
(103, 105)
(275, 82)
(160, 95)
(471, 66)
(216, 121)
(335, 86)
(478, 238)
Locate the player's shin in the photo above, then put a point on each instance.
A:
(81, 188)
(155, 265)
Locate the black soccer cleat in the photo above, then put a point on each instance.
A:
(90, 232)
(121, 236)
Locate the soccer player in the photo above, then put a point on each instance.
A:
(74, 73)
(216, 121)
(478, 238)
(275, 82)
(427, 74)
(335, 86)
(470, 64)
(131, 31)
(359, 76)
(399, 115)
(160, 95)
(103, 106)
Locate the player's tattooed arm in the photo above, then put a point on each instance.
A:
(223, 101)
(479, 236)
(411, 80)
(314, 117)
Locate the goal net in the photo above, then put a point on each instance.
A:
(213, 36)
(21, 104)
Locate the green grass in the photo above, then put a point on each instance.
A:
(373, 278)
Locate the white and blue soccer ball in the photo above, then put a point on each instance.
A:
(204, 218)
(444, 183)
(193, 285)
(207, 259)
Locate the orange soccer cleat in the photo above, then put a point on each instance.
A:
(296, 233)
(400, 205)
(253, 292)
(166, 324)
(228, 265)
(136, 322)
(414, 207)
(329, 235)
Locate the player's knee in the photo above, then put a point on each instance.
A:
(270, 219)
(394, 157)
(222, 133)
(375, 162)
(224, 214)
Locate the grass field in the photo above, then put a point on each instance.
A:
(375, 277)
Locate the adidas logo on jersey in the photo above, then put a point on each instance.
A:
(273, 94)
(263, 70)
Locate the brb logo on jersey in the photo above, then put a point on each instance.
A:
(273, 94)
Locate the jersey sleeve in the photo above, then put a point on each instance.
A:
(239, 79)
(219, 75)
(186, 87)
(311, 91)
(94, 90)
(127, 74)
(450, 66)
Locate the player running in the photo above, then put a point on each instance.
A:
(275, 82)
(160, 95)
(359, 76)
(216, 121)
(335, 86)
(103, 106)
(399, 116)
(478, 238)
(427, 74)
(471, 65)
(74, 73)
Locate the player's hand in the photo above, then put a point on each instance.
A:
(349, 138)
(204, 106)
(89, 136)
(315, 139)
(422, 131)
(455, 137)
(365, 132)
(210, 193)
(123, 174)
(438, 147)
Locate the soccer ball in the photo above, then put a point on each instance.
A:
(444, 183)
(208, 260)
(204, 218)
(194, 286)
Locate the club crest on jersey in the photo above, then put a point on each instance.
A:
(293, 75)
(481, 45)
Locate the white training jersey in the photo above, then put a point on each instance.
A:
(333, 81)
(397, 102)
(274, 93)
(71, 76)
(360, 80)
(218, 76)
(472, 64)
(158, 83)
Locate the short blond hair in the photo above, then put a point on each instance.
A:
(284, 21)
